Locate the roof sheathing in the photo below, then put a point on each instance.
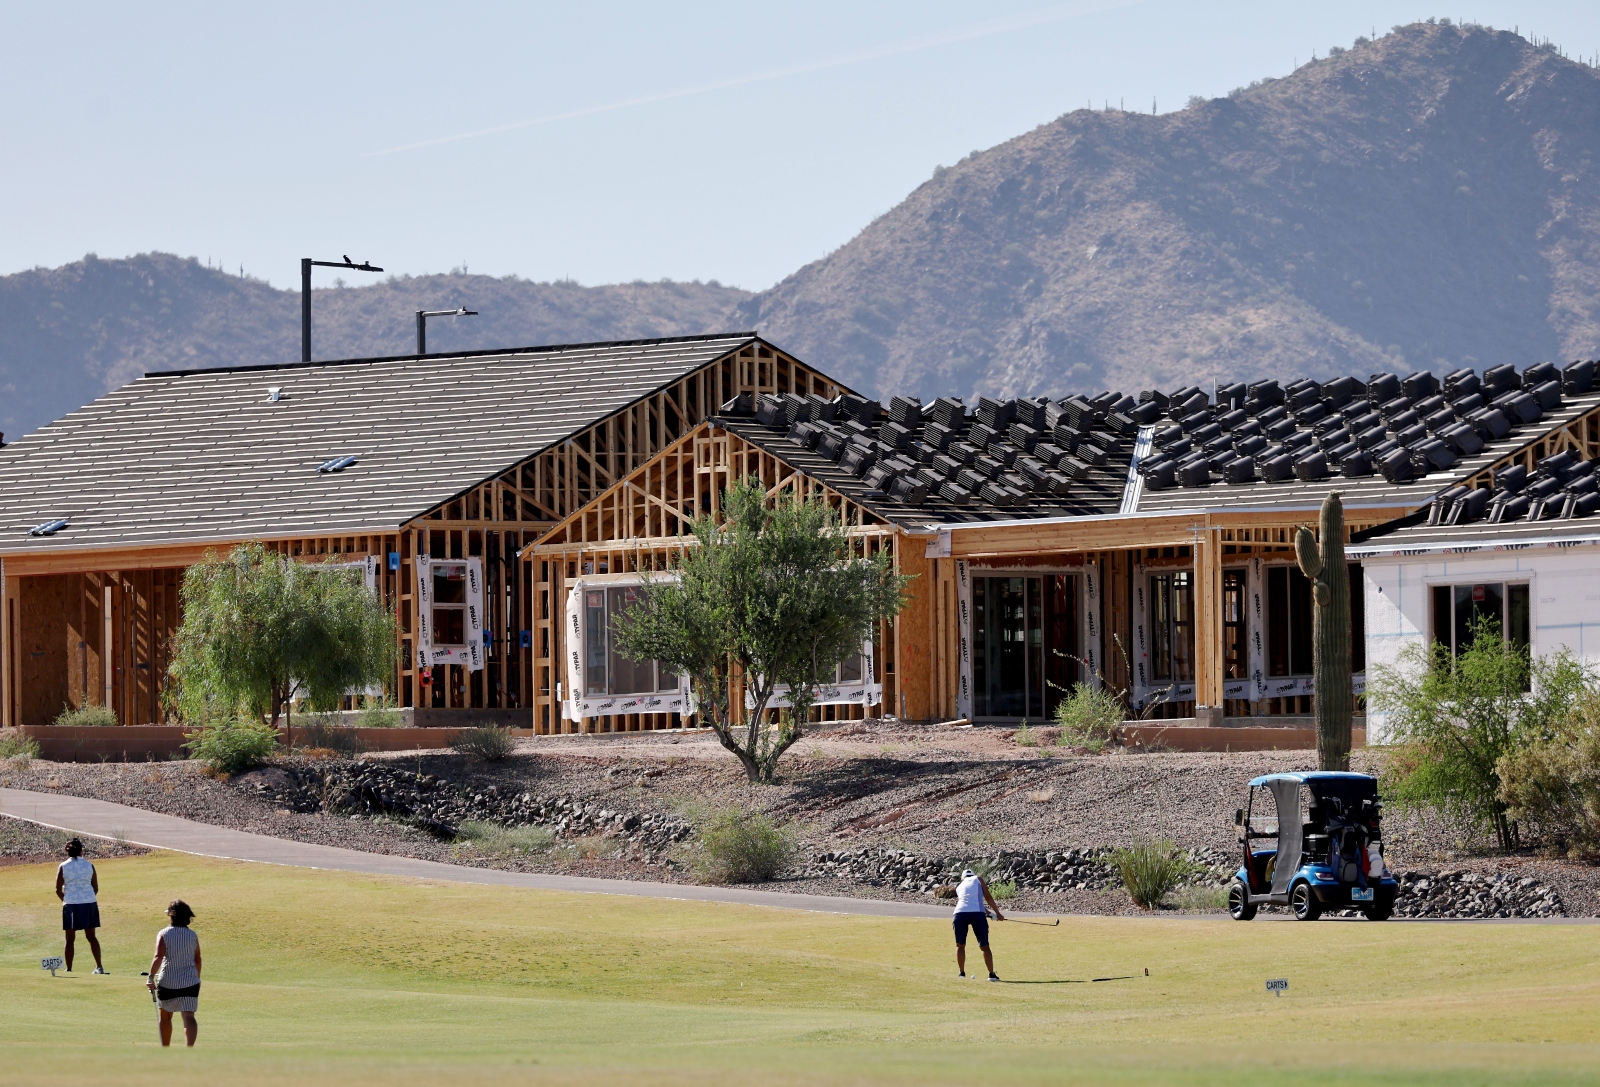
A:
(195, 456)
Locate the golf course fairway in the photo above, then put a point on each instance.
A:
(315, 977)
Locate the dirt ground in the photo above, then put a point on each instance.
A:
(937, 792)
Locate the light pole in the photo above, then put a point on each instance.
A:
(422, 323)
(306, 264)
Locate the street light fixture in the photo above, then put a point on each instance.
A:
(422, 323)
(306, 264)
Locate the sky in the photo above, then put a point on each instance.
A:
(600, 142)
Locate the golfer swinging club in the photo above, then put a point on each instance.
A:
(971, 894)
(78, 887)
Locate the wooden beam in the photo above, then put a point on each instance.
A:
(916, 634)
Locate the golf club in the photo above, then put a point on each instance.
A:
(1041, 924)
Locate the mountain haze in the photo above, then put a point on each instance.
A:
(1427, 200)
(70, 334)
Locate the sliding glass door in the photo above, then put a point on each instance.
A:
(1025, 639)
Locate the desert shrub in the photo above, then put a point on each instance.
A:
(232, 747)
(97, 716)
(742, 847)
(17, 746)
(1089, 717)
(1208, 899)
(500, 840)
(1150, 870)
(1453, 720)
(487, 742)
(318, 731)
(1554, 783)
(1002, 890)
(1024, 736)
(379, 714)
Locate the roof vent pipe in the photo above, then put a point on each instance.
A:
(274, 394)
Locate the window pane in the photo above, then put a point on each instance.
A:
(1442, 624)
(449, 583)
(1035, 674)
(594, 672)
(1299, 623)
(628, 676)
(1161, 627)
(1476, 604)
(1277, 620)
(1358, 620)
(1060, 638)
(850, 669)
(1182, 627)
(1517, 615)
(449, 626)
(1000, 636)
(1235, 657)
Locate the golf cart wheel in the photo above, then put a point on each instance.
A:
(1304, 903)
(1378, 913)
(1240, 908)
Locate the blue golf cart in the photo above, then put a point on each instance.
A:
(1327, 836)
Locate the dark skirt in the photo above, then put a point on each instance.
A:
(80, 915)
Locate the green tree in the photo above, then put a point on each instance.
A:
(1454, 719)
(260, 629)
(773, 594)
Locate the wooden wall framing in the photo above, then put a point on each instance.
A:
(642, 524)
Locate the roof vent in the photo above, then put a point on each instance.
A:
(337, 464)
(49, 528)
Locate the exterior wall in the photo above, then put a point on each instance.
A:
(1564, 600)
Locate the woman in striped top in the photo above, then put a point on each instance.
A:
(175, 972)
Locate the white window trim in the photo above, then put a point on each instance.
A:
(578, 706)
(428, 654)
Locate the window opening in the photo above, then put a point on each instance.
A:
(1172, 627)
(1288, 622)
(1025, 634)
(1458, 608)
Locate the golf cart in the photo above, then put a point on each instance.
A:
(1326, 831)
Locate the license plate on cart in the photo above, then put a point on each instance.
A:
(1361, 894)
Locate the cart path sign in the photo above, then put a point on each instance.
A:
(52, 965)
(1277, 986)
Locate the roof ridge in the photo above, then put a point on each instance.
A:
(481, 353)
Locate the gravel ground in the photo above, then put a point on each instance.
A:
(22, 842)
(939, 793)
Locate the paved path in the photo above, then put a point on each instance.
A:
(100, 819)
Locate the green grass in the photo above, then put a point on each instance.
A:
(322, 977)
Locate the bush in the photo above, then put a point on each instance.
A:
(1150, 870)
(1089, 717)
(740, 847)
(488, 742)
(379, 714)
(1002, 890)
(1453, 720)
(96, 716)
(1555, 783)
(232, 747)
(17, 745)
(319, 731)
(495, 839)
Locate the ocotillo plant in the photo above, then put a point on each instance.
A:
(1323, 563)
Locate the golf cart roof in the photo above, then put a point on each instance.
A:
(1311, 777)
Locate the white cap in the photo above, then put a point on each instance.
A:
(968, 874)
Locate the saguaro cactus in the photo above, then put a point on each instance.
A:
(1323, 563)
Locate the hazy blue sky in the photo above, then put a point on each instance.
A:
(728, 141)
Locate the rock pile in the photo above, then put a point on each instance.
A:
(1046, 871)
(1472, 894)
(383, 789)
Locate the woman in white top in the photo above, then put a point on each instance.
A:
(78, 887)
(175, 972)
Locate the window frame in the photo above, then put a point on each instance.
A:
(577, 701)
(1523, 580)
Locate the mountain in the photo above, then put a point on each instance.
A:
(1426, 200)
(69, 334)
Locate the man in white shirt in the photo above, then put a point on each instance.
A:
(971, 894)
(78, 887)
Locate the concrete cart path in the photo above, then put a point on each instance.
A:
(100, 819)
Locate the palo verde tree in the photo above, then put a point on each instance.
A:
(771, 594)
(260, 629)
(1322, 562)
(1453, 719)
